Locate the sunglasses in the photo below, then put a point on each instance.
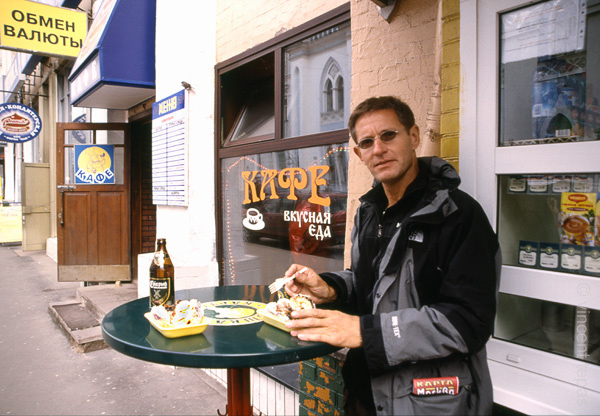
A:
(384, 136)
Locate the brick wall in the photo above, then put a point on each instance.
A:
(267, 18)
(148, 209)
(321, 386)
(390, 58)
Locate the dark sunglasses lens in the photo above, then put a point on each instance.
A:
(365, 143)
(386, 136)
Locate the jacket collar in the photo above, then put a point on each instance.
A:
(438, 177)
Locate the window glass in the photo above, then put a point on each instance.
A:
(568, 330)
(551, 222)
(79, 137)
(315, 69)
(247, 111)
(549, 76)
(256, 119)
(283, 207)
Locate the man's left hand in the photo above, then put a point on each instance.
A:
(321, 325)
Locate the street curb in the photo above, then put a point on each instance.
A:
(84, 340)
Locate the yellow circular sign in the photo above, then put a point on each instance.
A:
(94, 160)
(232, 312)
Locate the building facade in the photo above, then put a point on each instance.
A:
(265, 175)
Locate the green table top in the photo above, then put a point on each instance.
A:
(126, 330)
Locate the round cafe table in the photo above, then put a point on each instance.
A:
(234, 346)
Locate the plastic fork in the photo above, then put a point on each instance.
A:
(281, 282)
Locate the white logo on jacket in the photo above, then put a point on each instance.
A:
(395, 327)
(416, 235)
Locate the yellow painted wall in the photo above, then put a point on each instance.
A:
(450, 126)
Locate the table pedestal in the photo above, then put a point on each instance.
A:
(238, 392)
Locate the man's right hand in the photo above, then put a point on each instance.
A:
(308, 282)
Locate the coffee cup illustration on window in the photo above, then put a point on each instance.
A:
(253, 220)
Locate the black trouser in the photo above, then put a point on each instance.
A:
(354, 407)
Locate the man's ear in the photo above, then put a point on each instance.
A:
(415, 136)
(357, 152)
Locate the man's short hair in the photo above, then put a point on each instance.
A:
(402, 110)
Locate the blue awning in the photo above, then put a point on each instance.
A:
(115, 68)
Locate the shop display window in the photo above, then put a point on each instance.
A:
(563, 329)
(282, 208)
(548, 206)
(550, 80)
(551, 222)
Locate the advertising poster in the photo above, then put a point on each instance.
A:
(94, 164)
(548, 28)
(10, 224)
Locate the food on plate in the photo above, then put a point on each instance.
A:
(183, 313)
(284, 307)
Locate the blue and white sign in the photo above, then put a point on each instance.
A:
(19, 123)
(94, 164)
(170, 151)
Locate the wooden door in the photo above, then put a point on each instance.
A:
(93, 208)
(35, 199)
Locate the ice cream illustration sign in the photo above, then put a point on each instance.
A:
(18, 123)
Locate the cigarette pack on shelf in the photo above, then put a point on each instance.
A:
(549, 256)
(591, 261)
(583, 183)
(562, 183)
(517, 184)
(528, 253)
(571, 258)
(537, 184)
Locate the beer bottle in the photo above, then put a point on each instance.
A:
(162, 276)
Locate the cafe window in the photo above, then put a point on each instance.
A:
(283, 152)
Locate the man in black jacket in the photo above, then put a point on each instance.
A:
(420, 298)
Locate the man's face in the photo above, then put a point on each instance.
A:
(389, 162)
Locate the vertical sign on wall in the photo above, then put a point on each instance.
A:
(170, 151)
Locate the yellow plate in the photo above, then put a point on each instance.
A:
(176, 332)
(273, 320)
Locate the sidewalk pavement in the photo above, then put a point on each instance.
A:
(43, 374)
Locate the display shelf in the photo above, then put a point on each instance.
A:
(526, 359)
(531, 392)
(565, 288)
(578, 157)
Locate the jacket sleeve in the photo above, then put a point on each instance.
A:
(459, 318)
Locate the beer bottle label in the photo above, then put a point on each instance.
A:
(160, 291)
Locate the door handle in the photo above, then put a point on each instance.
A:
(63, 189)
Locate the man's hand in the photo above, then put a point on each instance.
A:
(308, 282)
(320, 325)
